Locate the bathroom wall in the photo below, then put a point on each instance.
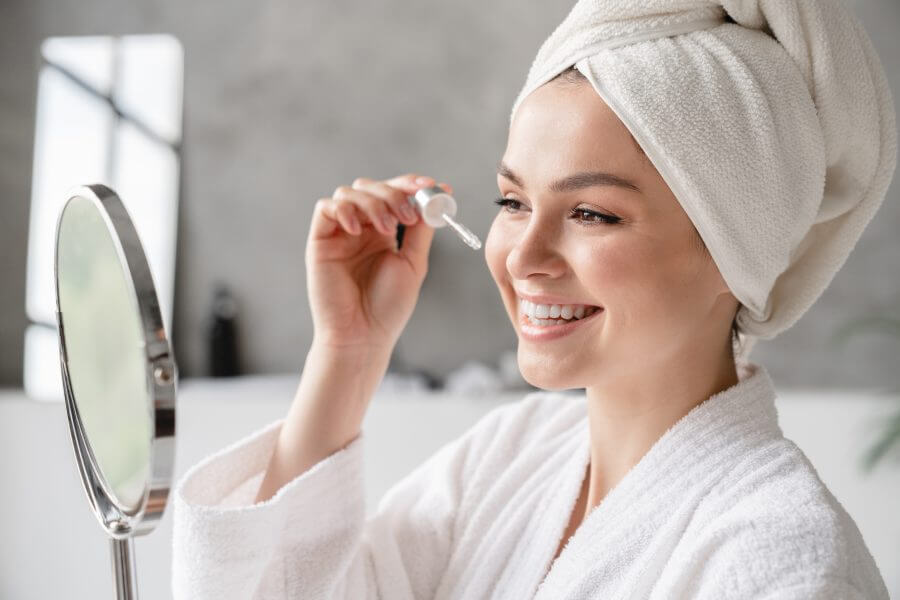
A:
(284, 101)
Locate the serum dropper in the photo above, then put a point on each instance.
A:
(438, 208)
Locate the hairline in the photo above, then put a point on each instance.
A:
(573, 76)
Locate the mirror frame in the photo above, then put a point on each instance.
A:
(162, 375)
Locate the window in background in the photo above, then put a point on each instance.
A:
(109, 110)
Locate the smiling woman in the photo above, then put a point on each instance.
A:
(669, 477)
(567, 80)
(664, 338)
(666, 312)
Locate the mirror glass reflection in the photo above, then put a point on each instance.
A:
(105, 351)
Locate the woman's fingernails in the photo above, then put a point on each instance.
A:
(424, 180)
(390, 223)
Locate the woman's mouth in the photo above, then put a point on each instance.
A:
(547, 322)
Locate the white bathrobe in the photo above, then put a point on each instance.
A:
(722, 506)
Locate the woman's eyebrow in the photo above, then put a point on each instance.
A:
(574, 182)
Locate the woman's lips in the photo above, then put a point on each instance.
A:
(539, 333)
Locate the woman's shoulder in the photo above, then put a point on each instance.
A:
(778, 477)
(775, 504)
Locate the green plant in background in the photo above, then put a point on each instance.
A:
(889, 438)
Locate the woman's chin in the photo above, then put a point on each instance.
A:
(544, 374)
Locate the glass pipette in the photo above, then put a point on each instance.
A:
(438, 208)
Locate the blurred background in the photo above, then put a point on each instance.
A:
(285, 101)
(220, 124)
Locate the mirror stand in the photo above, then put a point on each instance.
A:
(118, 372)
(124, 568)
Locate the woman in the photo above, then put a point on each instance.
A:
(627, 269)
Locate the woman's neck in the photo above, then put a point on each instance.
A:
(627, 418)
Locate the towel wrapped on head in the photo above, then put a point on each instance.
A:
(770, 120)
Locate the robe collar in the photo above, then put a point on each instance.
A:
(660, 491)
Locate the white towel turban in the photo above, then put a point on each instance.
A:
(770, 120)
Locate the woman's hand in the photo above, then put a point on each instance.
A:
(362, 290)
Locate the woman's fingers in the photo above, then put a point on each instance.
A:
(396, 198)
(374, 208)
(346, 214)
(329, 215)
(410, 181)
(383, 204)
(416, 245)
(324, 222)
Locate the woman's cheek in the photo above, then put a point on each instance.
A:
(495, 251)
(606, 264)
(625, 278)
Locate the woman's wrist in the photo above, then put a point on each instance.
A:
(335, 389)
(352, 355)
(327, 412)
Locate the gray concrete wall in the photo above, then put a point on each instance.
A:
(286, 100)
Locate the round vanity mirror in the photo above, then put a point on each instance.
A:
(119, 375)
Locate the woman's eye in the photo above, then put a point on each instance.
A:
(507, 202)
(582, 215)
(591, 217)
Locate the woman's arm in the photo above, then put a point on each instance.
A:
(327, 411)
(300, 535)
(311, 539)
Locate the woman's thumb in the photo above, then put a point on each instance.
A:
(416, 244)
(416, 240)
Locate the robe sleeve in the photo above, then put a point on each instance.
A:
(312, 539)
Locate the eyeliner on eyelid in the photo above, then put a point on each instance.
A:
(601, 218)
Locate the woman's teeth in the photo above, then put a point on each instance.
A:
(554, 314)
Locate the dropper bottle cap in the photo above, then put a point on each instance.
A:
(434, 202)
(438, 208)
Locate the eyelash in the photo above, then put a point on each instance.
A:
(603, 219)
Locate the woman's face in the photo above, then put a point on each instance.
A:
(660, 295)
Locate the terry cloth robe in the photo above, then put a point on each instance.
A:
(722, 506)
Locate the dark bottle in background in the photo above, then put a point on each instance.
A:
(222, 334)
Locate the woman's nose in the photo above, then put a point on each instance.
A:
(535, 252)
